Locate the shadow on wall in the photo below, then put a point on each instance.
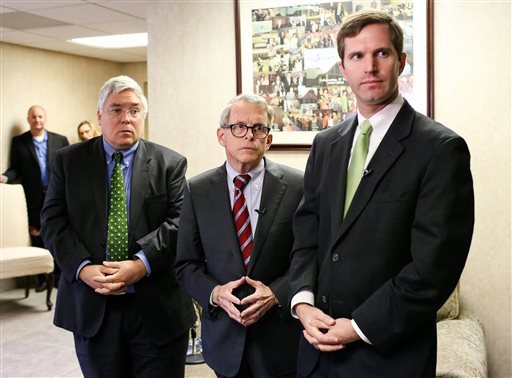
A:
(16, 129)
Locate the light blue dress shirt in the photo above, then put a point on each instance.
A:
(41, 147)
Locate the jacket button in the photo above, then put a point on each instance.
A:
(324, 299)
(335, 257)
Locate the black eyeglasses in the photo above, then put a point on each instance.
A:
(239, 130)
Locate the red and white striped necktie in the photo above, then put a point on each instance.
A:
(242, 219)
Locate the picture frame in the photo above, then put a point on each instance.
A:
(286, 52)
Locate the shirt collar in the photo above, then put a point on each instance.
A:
(385, 116)
(128, 154)
(38, 138)
(255, 173)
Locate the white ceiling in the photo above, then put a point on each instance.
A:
(49, 24)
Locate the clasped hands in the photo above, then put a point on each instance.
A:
(259, 302)
(113, 277)
(323, 332)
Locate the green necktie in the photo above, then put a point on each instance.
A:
(117, 239)
(355, 170)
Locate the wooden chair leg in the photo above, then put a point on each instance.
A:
(50, 277)
(27, 286)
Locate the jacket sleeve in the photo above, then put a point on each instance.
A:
(12, 173)
(303, 265)
(159, 245)
(440, 239)
(56, 229)
(191, 261)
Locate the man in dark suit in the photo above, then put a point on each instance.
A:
(384, 230)
(234, 245)
(118, 293)
(32, 155)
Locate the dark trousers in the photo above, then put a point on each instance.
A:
(122, 348)
(360, 360)
(246, 372)
(253, 368)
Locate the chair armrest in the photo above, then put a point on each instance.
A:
(461, 348)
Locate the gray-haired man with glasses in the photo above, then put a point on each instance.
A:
(233, 249)
(110, 220)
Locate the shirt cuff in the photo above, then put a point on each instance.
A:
(211, 299)
(80, 267)
(304, 296)
(359, 332)
(142, 256)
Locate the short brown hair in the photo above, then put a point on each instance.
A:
(354, 23)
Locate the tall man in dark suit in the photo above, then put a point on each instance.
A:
(110, 219)
(32, 155)
(384, 230)
(233, 249)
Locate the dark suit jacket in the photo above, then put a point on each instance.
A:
(25, 166)
(74, 227)
(209, 255)
(398, 254)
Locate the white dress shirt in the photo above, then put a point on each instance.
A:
(252, 193)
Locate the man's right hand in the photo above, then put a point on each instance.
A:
(90, 271)
(222, 296)
(3, 179)
(316, 324)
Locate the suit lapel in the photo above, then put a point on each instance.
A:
(95, 169)
(339, 155)
(272, 192)
(140, 182)
(387, 153)
(216, 198)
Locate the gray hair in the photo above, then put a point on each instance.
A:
(258, 101)
(119, 84)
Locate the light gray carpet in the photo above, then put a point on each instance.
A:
(31, 346)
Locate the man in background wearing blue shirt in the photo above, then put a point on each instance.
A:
(31, 163)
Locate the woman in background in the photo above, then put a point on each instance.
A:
(86, 131)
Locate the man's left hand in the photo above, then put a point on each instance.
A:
(262, 300)
(343, 331)
(128, 272)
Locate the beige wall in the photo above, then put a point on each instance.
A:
(65, 85)
(192, 74)
(473, 97)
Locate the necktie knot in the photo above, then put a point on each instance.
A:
(241, 181)
(118, 156)
(366, 127)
